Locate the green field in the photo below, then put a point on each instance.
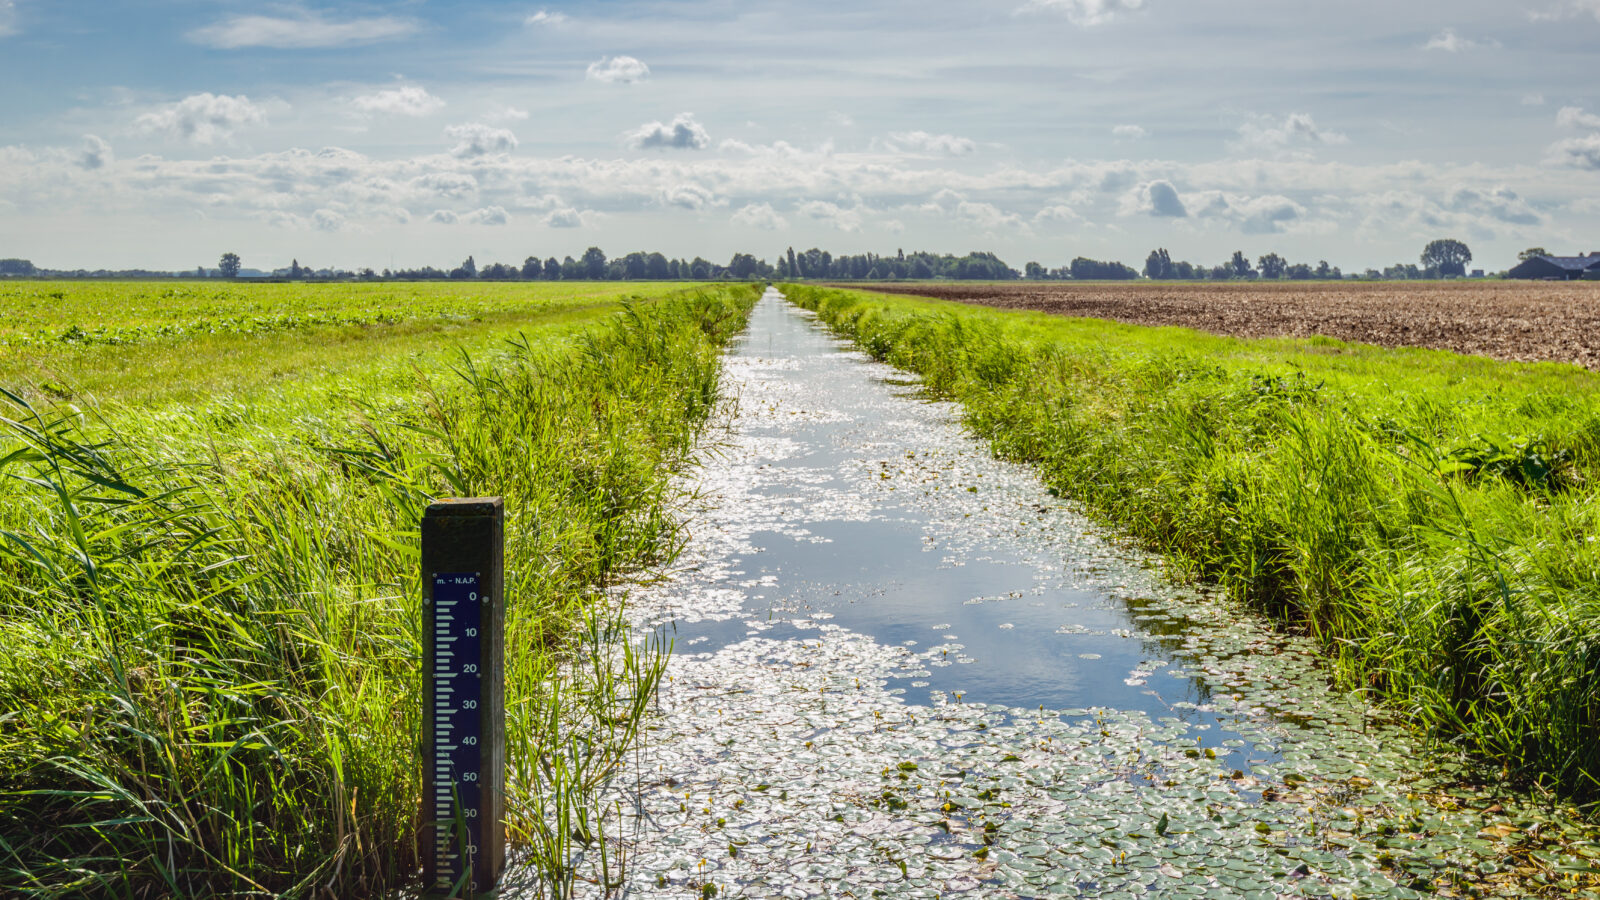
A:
(1431, 518)
(122, 340)
(209, 501)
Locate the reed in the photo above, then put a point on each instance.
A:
(210, 675)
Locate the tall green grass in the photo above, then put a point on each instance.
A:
(1433, 520)
(209, 641)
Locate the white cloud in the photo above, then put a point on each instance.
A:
(1567, 10)
(1267, 214)
(1059, 213)
(300, 29)
(444, 217)
(841, 119)
(1451, 42)
(1485, 214)
(774, 150)
(453, 185)
(941, 144)
(833, 214)
(1577, 153)
(546, 17)
(1083, 12)
(759, 215)
(689, 196)
(943, 201)
(1129, 132)
(1156, 198)
(489, 215)
(327, 220)
(1575, 117)
(96, 153)
(682, 133)
(566, 217)
(8, 18)
(1534, 99)
(202, 118)
(474, 139)
(507, 114)
(956, 206)
(1293, 133)
(618, 70)
(1499, 203)
(988, 216)
(855, 192)
(406, 100)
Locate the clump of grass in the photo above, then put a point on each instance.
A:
(210, 675)
(1430, 518)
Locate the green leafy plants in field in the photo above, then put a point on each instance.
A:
(209, 612)
(1431, 519)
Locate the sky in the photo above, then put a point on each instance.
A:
(165, 133)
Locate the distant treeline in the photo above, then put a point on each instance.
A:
(1442, 259)
(594, 265)
(811, 264)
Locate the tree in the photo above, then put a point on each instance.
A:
(657, 267)
(532, 268)
(229, 265)
(467, 270)
(1239, 266)
(1085, 269)
(294, 269)
(920, 270)
(1273, 266)
(1532, 253)
(634, 266)
(552, 269)
(1447, 256)
(700, 269)
(1033, 271)
(1158, 265)
(17, 267)
(594, 264)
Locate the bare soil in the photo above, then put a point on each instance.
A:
(1513, 320)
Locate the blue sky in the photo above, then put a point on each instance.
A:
(166, 133)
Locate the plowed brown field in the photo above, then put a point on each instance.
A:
(1529, 321)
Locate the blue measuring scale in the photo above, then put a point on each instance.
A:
(457, 722)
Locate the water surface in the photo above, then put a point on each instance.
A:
(904, 668)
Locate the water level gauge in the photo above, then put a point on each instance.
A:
(463, 739)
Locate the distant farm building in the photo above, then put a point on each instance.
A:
(1558, 268)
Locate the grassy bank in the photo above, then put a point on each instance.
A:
(1430, 518)
(209, 652)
